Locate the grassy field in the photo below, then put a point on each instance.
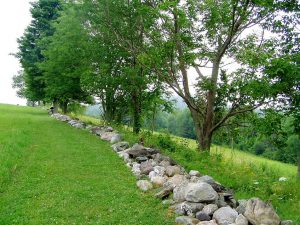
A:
(249, 175)
(51, 173)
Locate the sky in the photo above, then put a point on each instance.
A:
(14, 18)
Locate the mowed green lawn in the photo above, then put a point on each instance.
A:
(51, 173)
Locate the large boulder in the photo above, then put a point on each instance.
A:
(186, 220)
(259, 212)
(144, 185)
(120, 146)
(225, 215)
(200, 192)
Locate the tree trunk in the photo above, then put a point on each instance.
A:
(55, 106)
(203, 137)
(64, 107)
(136, 112)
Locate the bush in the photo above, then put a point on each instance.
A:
(259, 148)
(165, 142)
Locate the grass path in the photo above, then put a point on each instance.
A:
(51, 173)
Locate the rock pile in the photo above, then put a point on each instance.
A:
(195, 198)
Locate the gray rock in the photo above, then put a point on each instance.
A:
(164, 193)
(200, 192)
(97, 130)
(165, 163)
(146, 167)
(206, 179)
(211, 222)
(159, 170)
(124, 155)
(210, 209)
(242, 206)
(137, 151)
(176, 180)
(241, 220)
(202, 216)
(225, 215)
(116, 138)
(179, 192)
(144, 185)
(194, 173)
(194, 179)
(136, 169)
(286, 222)
(191, 208)
(172, 170)
(259, 212)
(108, 129)
(141, 159)
(120, 146)
(186, 220)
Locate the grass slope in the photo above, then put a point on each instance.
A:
(51, 173)
(247, 174)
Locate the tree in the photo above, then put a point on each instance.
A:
(30, 46)
(65, 60)
(209, 34)
(119, 28)
(19, 84)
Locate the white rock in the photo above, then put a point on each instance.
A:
(144, 185)
(116, 138)
(194, 173)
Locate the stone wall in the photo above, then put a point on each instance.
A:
(196, 198)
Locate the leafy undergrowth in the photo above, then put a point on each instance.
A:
(52, 173)
(249, 175)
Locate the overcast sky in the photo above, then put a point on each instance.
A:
(14, 18)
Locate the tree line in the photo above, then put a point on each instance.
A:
(223, 58)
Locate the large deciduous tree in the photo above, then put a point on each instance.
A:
(228, 45)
